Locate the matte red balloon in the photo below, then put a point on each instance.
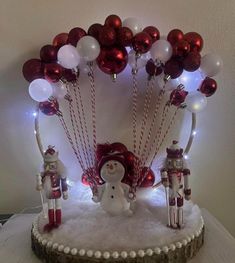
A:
(94, 30)
(173, 68)
(53, 72)
(49, 108)
(177, 97)
(48, 53)
(147, 177)
(195, 41)
(107, 36)
(112, 60)
(118, 147)
(192, 61)
(75, 35)
(113, 21)
(33, 69)
(153, 32)
(69, 75)
(181, 48)
(142, 42)
(208, 87)
(124, 36)
(174, 36)
(152, 69)
(60, 40)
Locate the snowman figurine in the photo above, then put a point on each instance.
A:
(114, 196)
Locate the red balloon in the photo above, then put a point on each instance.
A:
(53, 72)
(195, 41)
(173, 68)
(130, 158)
(69, 75)
(33, 69)
(192, 61)
(153, 32)
(49, 108)
(107, 36)
(147, 177)
(152, 69)
(118, 147)
(174, 36)
(60, 40)
(181, 48)
(124, 36)
(112, 60)
(113, 21)
(208, 87)
(94, 30)
(75, 35)
(177, 97)
(48, 53)
(142, 42)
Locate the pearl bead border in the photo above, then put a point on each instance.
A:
(109, 254)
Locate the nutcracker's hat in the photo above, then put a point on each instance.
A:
(174, 151)
(50, 155)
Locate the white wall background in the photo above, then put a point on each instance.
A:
(26, 25)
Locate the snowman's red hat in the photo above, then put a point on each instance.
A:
(174, 151)
(50, 155)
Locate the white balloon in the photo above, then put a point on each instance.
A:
(68, 56)
(84, 68)
(88, 48)
(195, 101)
(141, 61)
(59, 90)
(191, 80)
(40, 90)
(134, 24)
(161, 50)
(211, 64)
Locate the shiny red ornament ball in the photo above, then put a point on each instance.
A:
(174, 36)
(147, 177)
(124, 36)
(173, 68)
(107, 36)
(152, 69)
(60, 40)
(48, 53)
(94, 30)
(153, 32)
(177, 97)
(53, 72)
(75, 35)
(49, 108)
(181, 48)
(195, 41)
(142, 42)
(113, 21)
(112, 60)
(85, 180)
(192, 61)
(33, 69)
(69, 75)
(208, 87)
(130, 158)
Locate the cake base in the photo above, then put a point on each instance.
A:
(88, 234)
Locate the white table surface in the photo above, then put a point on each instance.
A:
(15, 243)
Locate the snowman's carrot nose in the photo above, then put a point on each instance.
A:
(111, 166)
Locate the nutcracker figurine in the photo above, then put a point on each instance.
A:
(175, 178)
(53, 181)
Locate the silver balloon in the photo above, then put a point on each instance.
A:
(88, 48)
(211, 64)
(68, 57)
(40, 90)
(141, 61)
(161, 50)
(134, 24)
(195, 101)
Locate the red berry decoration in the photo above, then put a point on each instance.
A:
(192, 61)
(147, 177)
(124, 36)
(48, 53)
(142, 42)
(75, 35)
(69, 75)
(208, 87)
(112, 60)
(94, 30)
(181, 48)
(49, 108)
(174, 36)
(153, 32)
(113, 21)
(60, 40)
(33, 69)
(53, 72)
(178, 96)
(107, 36)
(195, 41)
(173, 68)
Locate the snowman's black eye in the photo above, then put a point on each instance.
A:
(107, 164)
(115, 164)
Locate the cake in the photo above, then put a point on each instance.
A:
(123, 209)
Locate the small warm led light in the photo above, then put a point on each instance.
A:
(186, 157)
(34, 114)
(70, 183)
(35, 132)
(194, 133)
